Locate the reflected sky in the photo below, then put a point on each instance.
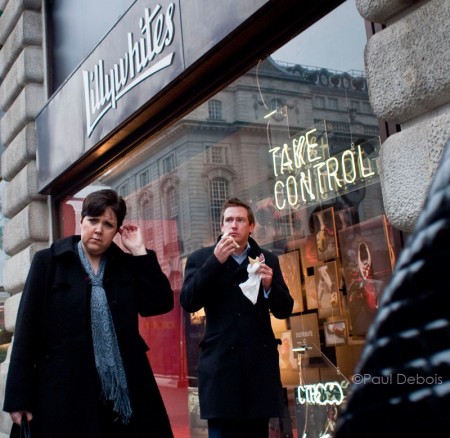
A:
(335, 42)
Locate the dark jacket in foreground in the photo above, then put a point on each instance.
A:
(405, 364)
(52, 370)
(238, 370)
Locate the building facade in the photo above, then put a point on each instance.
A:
(334, 160)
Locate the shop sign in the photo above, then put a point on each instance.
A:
(328, 393)
(104, 86)
(306, 174)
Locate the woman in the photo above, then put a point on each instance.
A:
(78, 365)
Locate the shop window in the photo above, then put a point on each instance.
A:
(215, 109)
(314, 184)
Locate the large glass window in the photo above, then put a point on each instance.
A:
(299, 143)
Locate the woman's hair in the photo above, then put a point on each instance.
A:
(235, 202)
(97, 202)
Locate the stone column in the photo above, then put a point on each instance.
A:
(407, 68)
(22, 95)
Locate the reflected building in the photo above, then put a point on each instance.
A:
(176, 183)
(221, 149)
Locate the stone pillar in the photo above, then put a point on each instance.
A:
(407, 68)
(22, 95)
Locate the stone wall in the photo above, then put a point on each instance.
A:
(22, 95)
(407, 67)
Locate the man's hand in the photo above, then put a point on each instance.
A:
(224, 248)
(266, 273)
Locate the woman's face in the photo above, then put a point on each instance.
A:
(98, 232)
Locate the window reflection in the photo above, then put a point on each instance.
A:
(314, 91)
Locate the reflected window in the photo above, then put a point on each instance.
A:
(355, 105)
(371, 131)
(144, 178)
(219, 189)
(168, 164)
(333, 103)
(367, 108)
(276, 107)
(341, 127)
(319, 102)
(172, 213)
(147, 219)
(215, 109)
(219, 154)
(124, 190)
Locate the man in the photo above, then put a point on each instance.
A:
(239, 376)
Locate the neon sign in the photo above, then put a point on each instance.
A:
(328, 393)
(305, 172)
(103, 88)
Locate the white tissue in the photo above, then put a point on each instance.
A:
(250, 288)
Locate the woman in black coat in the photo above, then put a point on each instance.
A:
(78, 365)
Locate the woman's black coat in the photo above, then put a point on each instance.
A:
(238, 371)
(52, 370)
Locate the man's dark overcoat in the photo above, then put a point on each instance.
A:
(238, 371)
(52, 370)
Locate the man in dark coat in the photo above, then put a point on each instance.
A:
(239, 376)
(52, 373)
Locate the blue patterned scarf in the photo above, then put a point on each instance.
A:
(106, 349)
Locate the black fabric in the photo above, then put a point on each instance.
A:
(25, 431)
(52, 369)
(238, 370)
(110, 424)
(22, 431)
(226, 428)
(405, 364)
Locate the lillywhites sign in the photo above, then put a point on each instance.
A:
(306, 174)
(104, 86)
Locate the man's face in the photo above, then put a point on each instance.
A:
(236, 224)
